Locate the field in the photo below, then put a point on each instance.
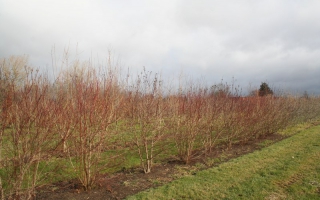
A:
(77, 131)
(286, 170)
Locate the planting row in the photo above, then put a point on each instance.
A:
(87, 123)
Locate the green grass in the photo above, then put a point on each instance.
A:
(289, 169)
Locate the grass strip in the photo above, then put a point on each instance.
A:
(289, 169)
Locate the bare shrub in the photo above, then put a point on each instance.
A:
(187, 121)
(93, 106)
(26, 131)
(14, 71)
(214, 127)
(145, 119)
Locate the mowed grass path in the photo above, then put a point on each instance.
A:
(289, 169)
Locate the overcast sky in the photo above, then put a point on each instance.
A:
(273, 41)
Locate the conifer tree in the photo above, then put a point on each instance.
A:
(265, 89)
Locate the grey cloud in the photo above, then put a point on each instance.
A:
(253, 41)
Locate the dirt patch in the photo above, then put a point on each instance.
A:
(131, 181)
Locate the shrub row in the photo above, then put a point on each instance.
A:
(82, 114)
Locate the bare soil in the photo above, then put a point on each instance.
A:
(131, 181)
